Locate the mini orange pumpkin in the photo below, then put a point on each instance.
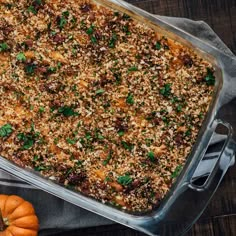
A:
(17, 217)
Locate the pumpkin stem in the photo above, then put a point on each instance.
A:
(2, 223)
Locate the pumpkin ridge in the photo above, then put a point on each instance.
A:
(22, 231)
(3, 199)
(24, 209)
(9, 201)
(30, 219)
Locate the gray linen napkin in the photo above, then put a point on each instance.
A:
(56, 214)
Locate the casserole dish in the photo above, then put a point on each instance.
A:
(154, 221)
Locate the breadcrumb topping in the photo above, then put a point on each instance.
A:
(97, 101)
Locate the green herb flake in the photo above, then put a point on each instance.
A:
(67, 111)
(4, 47)
(71, 141)
(118, 78)
(90, 30)
(41, 109)
(6, 130)
(210, 78)
(61, 21)
(32, 10)
(112, 42)
(36, 158)
(126, 30)
(125, 180)
(40, 168)
(151, 156)
(121, 133)
(30, 69)
(66, 13)
(166, 90)
(88, 136)
(21, 56)
(99, 91)
(93, 39)
(158, 45)
(188, 132)
(176, 171)
(127, 146)
(130, 99)
(105, 162)
(27, 139)
(133, 68)
(179, 108)
(125, 17)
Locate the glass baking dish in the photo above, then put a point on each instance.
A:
(211, 156)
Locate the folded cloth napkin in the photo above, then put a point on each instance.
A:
(57, 215)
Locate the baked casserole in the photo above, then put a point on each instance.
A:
(97, 101)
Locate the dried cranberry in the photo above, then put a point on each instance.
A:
(75, 178)
(121, 125)
(29, 42)
(85, 8)
(179, 139)
(58, 38)
(156, 120)
(187, 60)
(42, 69)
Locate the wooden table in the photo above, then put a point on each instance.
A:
(219, 219)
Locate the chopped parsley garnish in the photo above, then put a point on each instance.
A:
(99, 91)
(41, 109)
(4, 47)
(179, 108)
(32, 10)
(5, 130)
(21, 56)
(30, 69)
(125, 180)
(98, 134)
(158, 45)
(166, 90)
(133, 68)
(62, 21)
(126, 29)
(93, 39)
(105, 162)
(125, 17)
(130, 99)
(67, 111)
(118, 78)
(127, 146)
(28, 139)
(66, 13)
(188, 132)
(71, 141)
(176, 171)
(40, 168)
(88, 136)
(151, 156)
(90, 30)
(121, 133)
(112, 42)
(210, 78)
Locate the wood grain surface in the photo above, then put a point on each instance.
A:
(219, 219)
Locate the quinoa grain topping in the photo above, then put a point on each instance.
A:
(97, 101)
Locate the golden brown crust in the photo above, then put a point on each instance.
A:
(97, 101)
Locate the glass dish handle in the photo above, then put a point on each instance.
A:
(217, 158)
